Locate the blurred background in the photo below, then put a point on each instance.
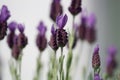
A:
(31, 12)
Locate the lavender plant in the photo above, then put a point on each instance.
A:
(16, 43)
(41, 43)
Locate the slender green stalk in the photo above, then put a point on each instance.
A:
(61, 60)
(39, 65)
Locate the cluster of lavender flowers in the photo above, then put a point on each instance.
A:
(59, 39)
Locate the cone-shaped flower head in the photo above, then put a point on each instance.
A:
(83, 25)
(56, 9)
(91, 31)
(22, 39)
(61, 34)
(41, 40)
(75, 7)
(10, 38)
(97, 77)
(96, 58)
(111, 60)
(4, 16)
(15, 50)
(52, 41)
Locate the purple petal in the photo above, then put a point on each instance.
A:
(53, 30)
(91, 20)
(65, 18)
(12, 26)
(42, 28)
(21, 28)
(112, 50)
(5, 14)
(97, 77)
(96, 49)
(61, 21)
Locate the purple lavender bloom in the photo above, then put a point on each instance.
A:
(97, 77)
(16, 50)
(22, 39)
(41, 40)
(10, 38)
(52, 41)
(61, 34)
(90, 30)
(83, 25)
(4, 16)
(75, 7)
(56, 9)
(111, 61)
(96, 58)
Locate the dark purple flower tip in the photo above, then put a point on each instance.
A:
(112, 50)
(96, 50)
(61, 21)
(97, 77)
(21, 28)
(91, 21)
(5, 14)
(12, 26)
(53, 30)
(42, 28)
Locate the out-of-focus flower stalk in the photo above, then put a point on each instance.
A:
(69, 57)
(53, 68)
(38, 67)
(41, 43)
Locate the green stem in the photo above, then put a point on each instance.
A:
(61, 65)
(37, 77)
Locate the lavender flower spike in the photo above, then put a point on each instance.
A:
(41, 40)
(56, 9)
(96, 59)
(61, 21)
(5, 14)
(42, 28)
